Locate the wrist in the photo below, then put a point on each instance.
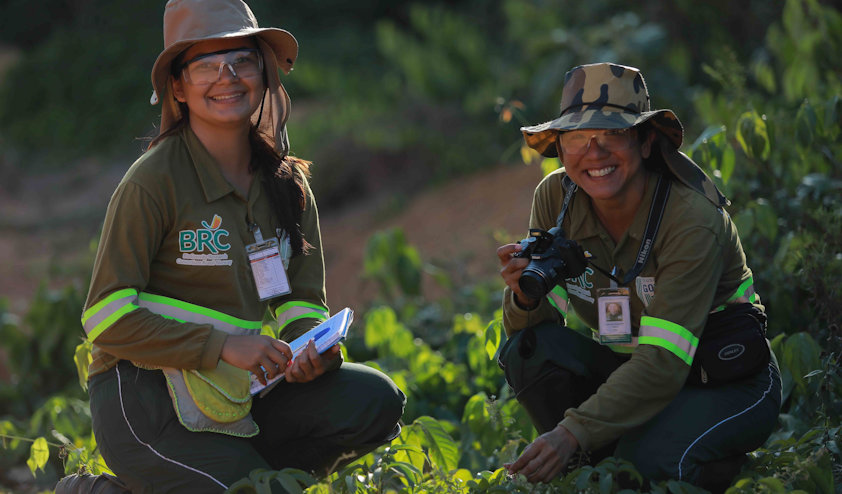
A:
(525, 303)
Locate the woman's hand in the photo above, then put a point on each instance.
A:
(512, 269)
(309, 364)
(546, 457)
(257, 353)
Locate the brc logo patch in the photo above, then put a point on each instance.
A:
(205, 246)
(210, 238)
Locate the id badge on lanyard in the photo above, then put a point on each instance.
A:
(614, 315)
(267, 266)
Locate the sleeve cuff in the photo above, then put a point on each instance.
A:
(578, 432)
(213, 349)
(516, 308)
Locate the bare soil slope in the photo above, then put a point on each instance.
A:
(47, 223)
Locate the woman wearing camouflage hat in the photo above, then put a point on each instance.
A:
(680, 380)
(214, 225)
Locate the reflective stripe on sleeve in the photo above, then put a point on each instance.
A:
(97, 319)
(745, 293)
(295, 310)
(558, 299)
(668, 335)
(187, 312)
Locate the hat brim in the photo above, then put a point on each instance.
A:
(282, 42)
(688, 172)
(542, 137)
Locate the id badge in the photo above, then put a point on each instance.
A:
(267, 269)
(614, 315)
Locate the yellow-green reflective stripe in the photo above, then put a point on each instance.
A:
(124, 293)
(669, 335)
(297, 306)
(314, 315)
(187, 308)
(678, 352)
(291, 311)
(742, 289)
(181, 311)
(108, 321)
(558, 299)
(107, 311)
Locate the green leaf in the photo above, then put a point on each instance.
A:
(606, 484)
(412, 452)
(493, 339)
(709, 132)
(753, 136)
(745, 222)
(765, 76)
(800, 356)
(726, 166)
(773, 484)
(408, 471)
(806, 125)
(766, 219)
(833, 113)
(289, 483)
(549, 165)
(39, 453)
(82, 358)
(443, 450)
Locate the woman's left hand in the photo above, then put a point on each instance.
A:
(544, 459)
(309, 364)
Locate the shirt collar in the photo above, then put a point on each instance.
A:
(213, 182)
(584, 221)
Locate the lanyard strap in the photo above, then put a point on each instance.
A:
(653, 222)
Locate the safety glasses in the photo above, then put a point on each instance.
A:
(577, 142)
(244, 63)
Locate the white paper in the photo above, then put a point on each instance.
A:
(325, 335)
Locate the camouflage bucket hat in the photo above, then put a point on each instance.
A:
(611, 96)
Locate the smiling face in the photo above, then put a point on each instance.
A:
(227, 103)
(614, 175)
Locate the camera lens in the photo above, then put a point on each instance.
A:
(534, 283)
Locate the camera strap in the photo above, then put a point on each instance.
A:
(653, 222)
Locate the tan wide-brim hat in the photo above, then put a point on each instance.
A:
(187, 22)
(611, 96)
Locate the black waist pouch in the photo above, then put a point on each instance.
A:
(733, 346)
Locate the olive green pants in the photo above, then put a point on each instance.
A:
(308, 426)
(553, 368)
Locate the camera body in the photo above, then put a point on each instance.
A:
(553, 258)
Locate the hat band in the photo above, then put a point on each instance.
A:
(596, 103)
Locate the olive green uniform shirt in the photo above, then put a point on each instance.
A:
(697, 264)
(176, 229)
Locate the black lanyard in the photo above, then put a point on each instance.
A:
(653, 222)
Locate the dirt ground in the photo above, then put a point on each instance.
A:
(47, 223)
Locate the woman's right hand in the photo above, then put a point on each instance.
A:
(257, 353)
(512, 269)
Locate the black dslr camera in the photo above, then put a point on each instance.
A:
(553, 258)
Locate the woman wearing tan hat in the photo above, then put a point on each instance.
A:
(211, 228)
(684, 383)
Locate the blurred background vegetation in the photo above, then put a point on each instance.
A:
(390, 96)
(377, 83)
